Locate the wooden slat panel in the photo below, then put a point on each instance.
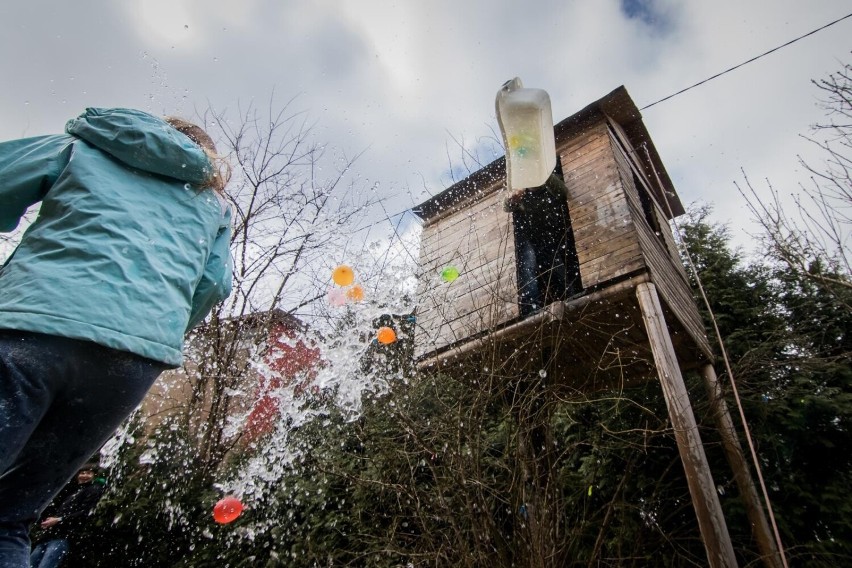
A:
(586, 204)
(497, 277)
(607, 246)
(592, 166)
(631, 172)
(478, 241)
(609, 214)
(453, 231)
(467, 255)
(446, 324)
(660, 256)
(472, 283)
(490, 185)
(605, 263)
(462, 221)
(482, 314)
(583, 144)
(673, 287)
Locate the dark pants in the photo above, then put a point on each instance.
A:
(542, 277)
(60, 400)
(49, 554)
(547, 265)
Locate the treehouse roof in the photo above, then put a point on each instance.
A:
(619, 107)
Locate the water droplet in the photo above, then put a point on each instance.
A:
(542, 373)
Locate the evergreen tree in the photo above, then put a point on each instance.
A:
(788, 341)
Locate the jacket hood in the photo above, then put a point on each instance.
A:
(142, 141)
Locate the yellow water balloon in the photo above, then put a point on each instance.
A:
(343, 275)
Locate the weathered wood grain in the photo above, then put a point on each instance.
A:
(479, 242)
(711, 520)
(660, 254)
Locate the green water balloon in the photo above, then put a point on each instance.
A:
(449, 273)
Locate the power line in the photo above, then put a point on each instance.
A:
(755, 58)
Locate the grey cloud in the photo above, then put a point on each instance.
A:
(398, 80)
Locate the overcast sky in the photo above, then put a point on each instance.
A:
(402, 79)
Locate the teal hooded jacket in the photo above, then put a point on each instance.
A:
(128, 250)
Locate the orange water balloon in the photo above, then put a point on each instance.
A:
(386, 335)
(343, 275)
(227, 510)
(355, 293)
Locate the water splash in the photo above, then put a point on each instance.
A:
(339, 367)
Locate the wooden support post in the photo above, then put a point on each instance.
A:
(711, 521)
(745, 483)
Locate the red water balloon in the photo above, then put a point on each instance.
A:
(227, 510)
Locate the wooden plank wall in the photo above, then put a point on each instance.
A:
(658, 248)
(607, 245)
(612, 236)
(478, 241)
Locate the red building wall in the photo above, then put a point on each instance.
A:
(290, 359)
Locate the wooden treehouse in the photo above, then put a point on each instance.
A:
(619, 200)
(621, 311)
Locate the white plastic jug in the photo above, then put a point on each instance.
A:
(526, 122)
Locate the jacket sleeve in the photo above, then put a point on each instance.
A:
(28, 168)
(81, 504)
(215, 283)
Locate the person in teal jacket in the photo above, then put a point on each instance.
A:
(128, 252)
